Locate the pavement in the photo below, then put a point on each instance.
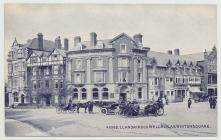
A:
(199, 120)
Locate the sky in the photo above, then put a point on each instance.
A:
(191, 28)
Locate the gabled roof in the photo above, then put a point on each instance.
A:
(33, 44)
(162, 59)
(60, 51)
(120, 35)
(196, 56)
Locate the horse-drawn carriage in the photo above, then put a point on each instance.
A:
(72, 107)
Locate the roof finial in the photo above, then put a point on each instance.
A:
(15, 42)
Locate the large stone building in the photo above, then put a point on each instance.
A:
(43, 72)
(108, 69)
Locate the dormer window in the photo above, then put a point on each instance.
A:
(123, 48)
(19, 53)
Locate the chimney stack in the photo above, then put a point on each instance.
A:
(93, 36)
(58, 42)
(66, 46)
(138, 39)
(177, 51)
(170, 52)
(40, 41)
(77, 40)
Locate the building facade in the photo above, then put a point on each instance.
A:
(43, 72)
(36, 71)
(107, 70)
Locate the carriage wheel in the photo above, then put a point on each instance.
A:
(160, 112)
(104, 110)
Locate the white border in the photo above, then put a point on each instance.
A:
(2, 127)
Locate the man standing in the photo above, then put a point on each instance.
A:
(189, 102)
(210, 102)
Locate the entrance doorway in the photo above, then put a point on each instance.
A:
(22, 98)
(123, 96)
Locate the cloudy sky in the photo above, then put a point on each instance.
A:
(192, 28)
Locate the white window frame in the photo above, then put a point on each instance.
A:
(100, 73)
(56, 69)
(121, 50)
(99, 62)
(79, 63)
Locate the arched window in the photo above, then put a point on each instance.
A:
(105, 93)
(83, 93)
(95, 93)
(139, 92)
(75, 94)
(15, 95)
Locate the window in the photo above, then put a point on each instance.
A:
(46, 83)
(56, 83)
(19, 53)
(78, 78)
(156, 93)
(75, 94)
(15, 94)
(139, 63)
(167, 79)
(105, 93)
(155, 81)
(139, 77)
(61, 70)
(123, 76)
(79, 64)
(168, 93)
(34, 83)
(99, 77)
(123, 48)
(95, 93)
(34, 71)
(39, 84)
(112, 95)
(34, 59)
(40, 71)
(99, 62)
(171, 93)
(140, 93)
(61, 84)
(171, 79)
(46, 71)
(56, 69)
(123, 62)
(83, 93)
(44, 59)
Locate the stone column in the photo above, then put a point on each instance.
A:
(135, 70)
(69, 70)
(88, 81)
(111, 73)
(144, 71)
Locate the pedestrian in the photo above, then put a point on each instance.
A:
(189, 102)
(210, 102)
(214, 103)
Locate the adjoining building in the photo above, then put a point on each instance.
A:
(173, 75)
(107, 70)
(208, 63)
(36, 71)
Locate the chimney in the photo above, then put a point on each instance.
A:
(170, 52)
(177, 51)
(40, 41)
(58, 42)
(205, 54)
(66, 44)
(77, 40)
(93, 36)
(138, 39)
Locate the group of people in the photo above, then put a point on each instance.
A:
(212, 102)
(87, 106)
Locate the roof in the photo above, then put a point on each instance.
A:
(33, 44)
(61, 51)
(196, 56)
(163, 58)
(104, 41)
(41, 53)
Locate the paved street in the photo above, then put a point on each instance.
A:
(46, 122)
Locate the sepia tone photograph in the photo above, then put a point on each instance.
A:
(110, 70)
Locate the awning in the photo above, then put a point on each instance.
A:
(195, 90)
